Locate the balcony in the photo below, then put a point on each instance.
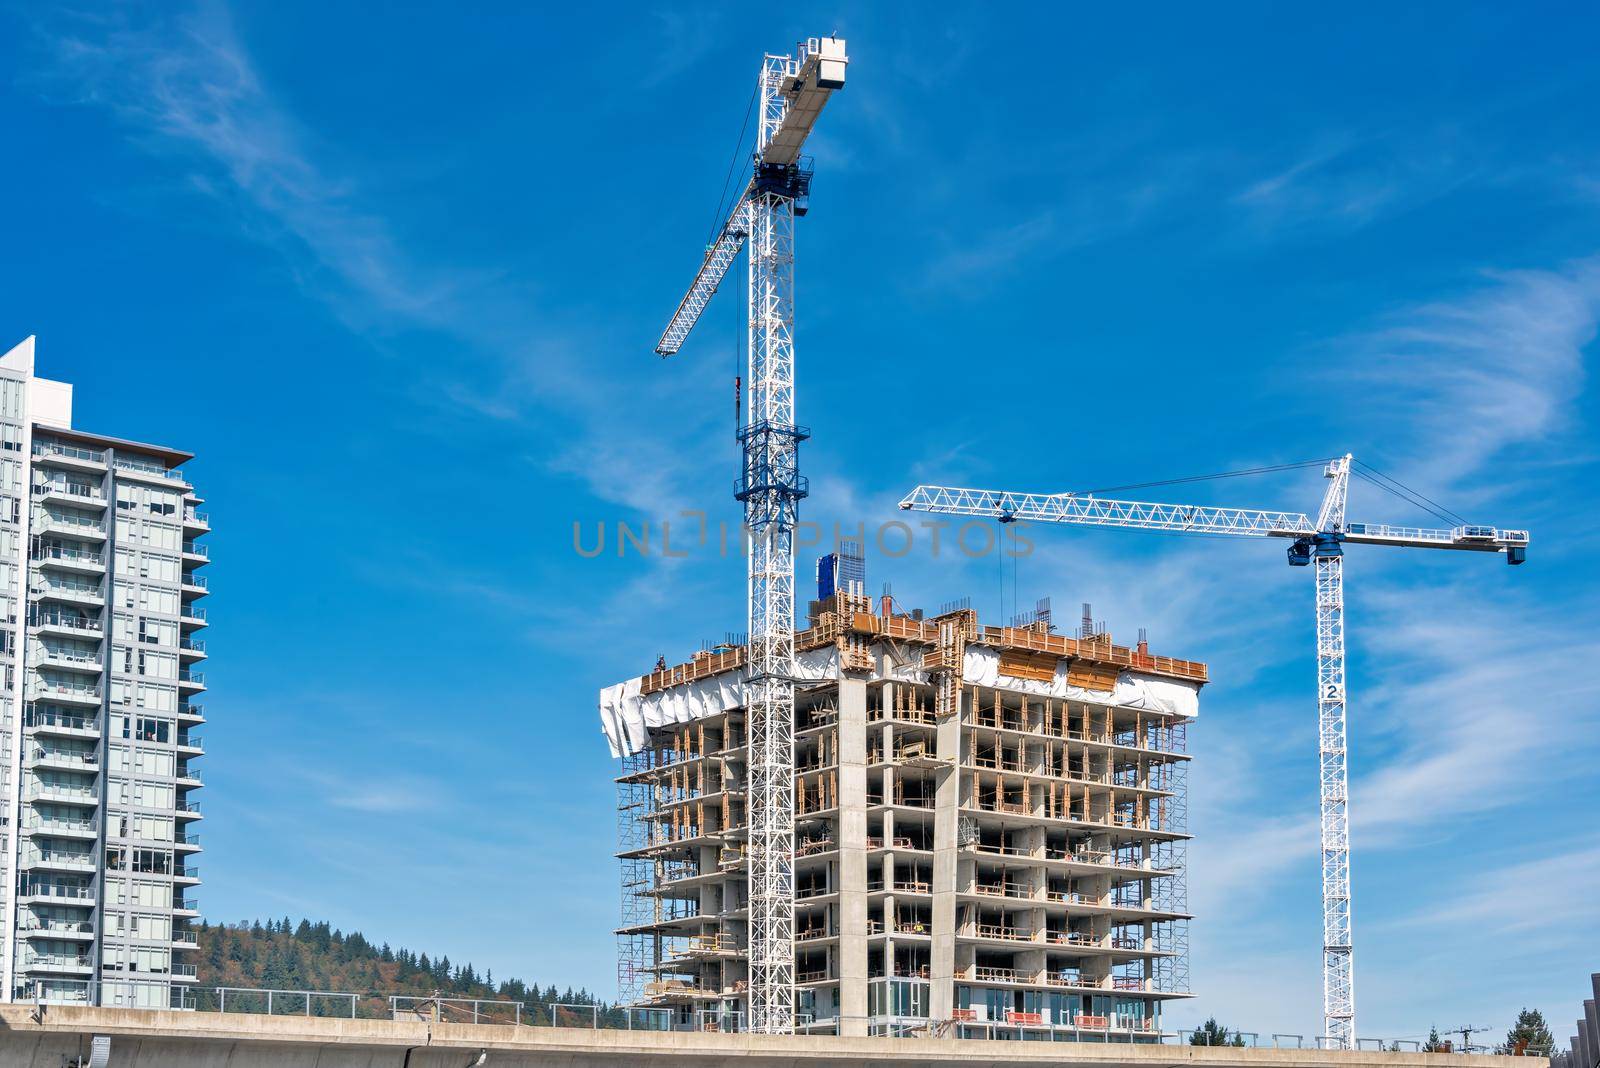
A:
(190, 742)
(44, 721)
(53, 893)
(58, 794)
(70, 624)
(75, 455)
(191, 712)
(65, 930)
(185, 939)
(1000, 932)
(194, 680)
(186, 873)
(86, 828)
(51, 690)
(185, 840)
(57, 860)
(194, 585)
(57, 963)
(90, 561)
(195, 549)
(187, 810)
(69, 659)
(137, 466)
(192, 615)
(184, 971)
(188, 776)
(193, 520)
(192, 648)
(44, 756)
(90, 594)
(188, 906)
(67, 491)
(73, 526)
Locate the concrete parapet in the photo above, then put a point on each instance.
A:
(151, 1039)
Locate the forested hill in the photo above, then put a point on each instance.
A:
(279, 955)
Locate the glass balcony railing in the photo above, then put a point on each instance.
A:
(194, 548)
(65, 620)
(48, 553)
(57, 891)
(72, 452)
(148, 467)
(68, 488)
(50, 717)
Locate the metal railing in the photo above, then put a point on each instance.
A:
(194, 548)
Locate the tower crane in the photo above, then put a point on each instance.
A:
(790, 94)
(1320, 542)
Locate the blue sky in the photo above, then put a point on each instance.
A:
(396, 281)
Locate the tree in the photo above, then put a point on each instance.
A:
(1529, 1034)
(1212, 1033)
(1434, 1044)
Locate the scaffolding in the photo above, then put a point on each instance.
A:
(635, 948)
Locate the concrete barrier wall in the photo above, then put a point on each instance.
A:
(147, 1039)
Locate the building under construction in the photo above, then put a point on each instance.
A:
(990, 828)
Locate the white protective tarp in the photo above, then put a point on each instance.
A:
(981, 666)
(626, 716)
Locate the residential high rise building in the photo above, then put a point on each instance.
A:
(99, 570)
(990, 829)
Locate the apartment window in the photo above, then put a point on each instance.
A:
(158, 698)
(158, 665)
(152, 861)
(153, 730)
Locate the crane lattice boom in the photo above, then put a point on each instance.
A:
(1321, 541)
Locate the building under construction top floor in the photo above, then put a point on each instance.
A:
(990, 829)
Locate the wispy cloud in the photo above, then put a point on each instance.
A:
(1554, 898)
(185, 87)
(188, 84)
(1466, 379)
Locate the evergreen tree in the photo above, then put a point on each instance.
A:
(1212, 1033)
(1434, 1044)
(1530, 1034)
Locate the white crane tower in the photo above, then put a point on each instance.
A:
(790, 93)
(1321, 542)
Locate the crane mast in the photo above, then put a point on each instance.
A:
(791, 92)
(1321, 542)
(1338, 952)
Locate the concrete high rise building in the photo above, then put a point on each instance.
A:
(99, 563)
(990, 829)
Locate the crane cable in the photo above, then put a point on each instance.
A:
(1202, 478)
(1365, 471)
(719, 217)
(1406, 493)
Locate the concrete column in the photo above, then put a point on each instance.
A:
(946, 821)
(853, 856)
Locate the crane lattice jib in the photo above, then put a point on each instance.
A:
(1321, 541)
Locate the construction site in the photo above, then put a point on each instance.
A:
(875, 821)
(989, 828)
